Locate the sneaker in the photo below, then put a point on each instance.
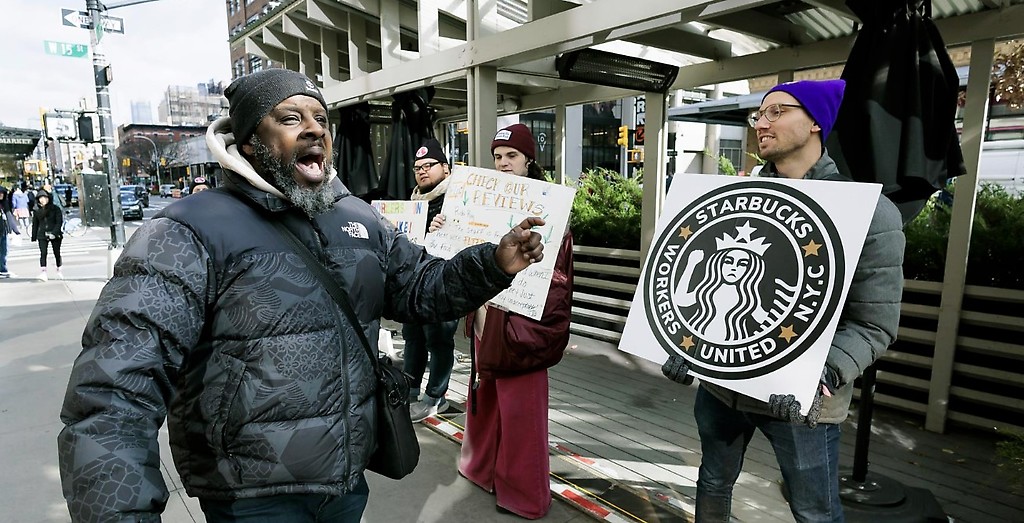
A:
(442, 406)
(422, 410)
(60, 274)
(42, 276)
(4, 274)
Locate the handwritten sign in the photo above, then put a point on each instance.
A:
(746, 279)
(408, 216)
(482, 205)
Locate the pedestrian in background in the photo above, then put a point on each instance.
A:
(791, 125)
(433, 342)
(8, 225)
(21, 209)
(213, 321)
(47, 222)
(505, 445)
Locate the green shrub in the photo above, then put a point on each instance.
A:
(606, 211)
(997, 242)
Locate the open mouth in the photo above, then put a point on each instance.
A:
(311, 165)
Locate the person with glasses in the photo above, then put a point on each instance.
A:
(433, 341)
(791, 126)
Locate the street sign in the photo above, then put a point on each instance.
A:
(65, 49)
(74, 18)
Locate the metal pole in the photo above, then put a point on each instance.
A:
(100, 71)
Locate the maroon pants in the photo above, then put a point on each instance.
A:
(505, 447)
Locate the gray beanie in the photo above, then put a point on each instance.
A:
(253, 96)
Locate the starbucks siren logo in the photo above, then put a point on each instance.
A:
(743, 281)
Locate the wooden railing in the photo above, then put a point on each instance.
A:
(987, 384)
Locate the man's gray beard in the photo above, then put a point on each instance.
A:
(312, 201)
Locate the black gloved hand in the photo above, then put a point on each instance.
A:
(676, 369)
(787, 408)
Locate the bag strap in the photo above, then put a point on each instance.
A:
(320, 272)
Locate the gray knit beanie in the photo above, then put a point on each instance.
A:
(253, 96)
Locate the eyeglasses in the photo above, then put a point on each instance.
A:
(425, 167)
(772, 113)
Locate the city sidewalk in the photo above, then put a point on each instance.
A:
(623, 440)
(41, 332)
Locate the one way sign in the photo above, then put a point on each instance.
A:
(73, 18)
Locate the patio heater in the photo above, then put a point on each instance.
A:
(614, 70)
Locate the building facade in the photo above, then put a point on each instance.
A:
(242, 13)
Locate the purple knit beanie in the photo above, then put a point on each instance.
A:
(518, 137)
(820, 99)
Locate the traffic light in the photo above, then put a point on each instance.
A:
(85, 129)
(623, 140)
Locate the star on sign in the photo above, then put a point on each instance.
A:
(811, 249)
(687, 343)
(684, 232)
(744, 231)
(788, 333)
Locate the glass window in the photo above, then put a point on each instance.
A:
(733, 150)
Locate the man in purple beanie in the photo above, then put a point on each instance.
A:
(791, 126)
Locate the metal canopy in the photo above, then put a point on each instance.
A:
(734, 110)
(348, 43)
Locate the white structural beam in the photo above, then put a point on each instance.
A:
(390, 34)
(326, 15)
(1004, 23)
(727, 7)
(590, 24)
(838, 7)
(960, 225)
(261, 49)
(330, 57)
(280, 40)
(429, 35)
(766, 27)
(686, 42)
(300, 28)
(307, 58)
(358, 48)
(483, 106)
(655, 167)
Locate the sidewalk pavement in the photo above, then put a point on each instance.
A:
(39, 341)
(623, 441)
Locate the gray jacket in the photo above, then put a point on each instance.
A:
(870, 318)
(212, 321)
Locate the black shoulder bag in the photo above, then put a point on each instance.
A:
(398, 450)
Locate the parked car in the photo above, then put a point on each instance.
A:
(166, 190)
(60, 189)
(131, 207)
(139, 191)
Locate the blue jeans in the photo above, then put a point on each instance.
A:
(290, 508)
(808, 459)
(436, 340)
(3, 246)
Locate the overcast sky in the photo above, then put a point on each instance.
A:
(167, 42)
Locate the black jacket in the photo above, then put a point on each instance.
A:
(213, 321)
(47, 221)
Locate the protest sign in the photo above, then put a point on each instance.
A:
(482, 205)
(746, 279)
(408, 216)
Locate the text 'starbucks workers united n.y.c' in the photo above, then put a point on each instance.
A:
(741, 278)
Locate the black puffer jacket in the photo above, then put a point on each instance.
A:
(47, 220)
(212, 320)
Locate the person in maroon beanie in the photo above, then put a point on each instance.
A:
(505, 446)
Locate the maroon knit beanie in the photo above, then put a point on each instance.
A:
(518, 137)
